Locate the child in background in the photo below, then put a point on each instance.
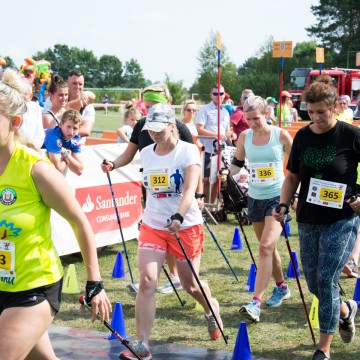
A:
(242, 179)
(131, 117)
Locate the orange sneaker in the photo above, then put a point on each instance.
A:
(213, 328)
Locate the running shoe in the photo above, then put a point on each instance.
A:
(141, 349)
(251, 311)
(278, 295)
(213, 328)
(347, 326)
(167, 288)
(351, 269)
(320, 355)
(132, 289)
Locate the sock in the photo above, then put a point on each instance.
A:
(258, 300)
(281, 284)
(348, 315)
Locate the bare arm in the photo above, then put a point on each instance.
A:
(286, 140)
(48, 121)
(203, 132)
(86, 128)
(57, 161)
(74, 162)
(57, 195)
(121, 133)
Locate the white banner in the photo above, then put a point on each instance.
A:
(92, 190)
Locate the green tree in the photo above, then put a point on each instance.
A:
(64, 59)
(133, 75)
(338, 28)
(208, 70)
(110, 72)
(177, 90)
(9, 63)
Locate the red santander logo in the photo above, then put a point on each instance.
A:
(98, 205)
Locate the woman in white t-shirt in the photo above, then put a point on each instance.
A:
(171, 169)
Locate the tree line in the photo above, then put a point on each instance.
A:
(337, 30)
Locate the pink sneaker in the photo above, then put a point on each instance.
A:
(141, 349)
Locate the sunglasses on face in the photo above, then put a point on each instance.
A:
(192, 110)
(342, 103)
(245, 98)
(216, 93)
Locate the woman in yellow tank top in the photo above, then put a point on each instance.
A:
(30, 269)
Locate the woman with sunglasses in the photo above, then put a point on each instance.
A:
(189, 111)
(343, 113)
(323, 160)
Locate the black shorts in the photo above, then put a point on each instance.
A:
(51, 293)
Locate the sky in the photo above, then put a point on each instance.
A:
(164, 36)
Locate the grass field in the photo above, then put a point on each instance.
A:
(281, 334)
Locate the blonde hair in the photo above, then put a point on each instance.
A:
(12, 91)
(255, 103)
(188, 102)
(72, 115)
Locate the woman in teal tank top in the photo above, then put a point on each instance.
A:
(264, 146)
(30, 269)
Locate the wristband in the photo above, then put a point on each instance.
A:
(92, 289)
(178, 217)
(65, 154)
(239, 163)
(113, 165)
(199, 196)
(285, 206)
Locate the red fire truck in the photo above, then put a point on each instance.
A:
(347, 82)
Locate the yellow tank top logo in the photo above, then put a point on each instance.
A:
(8, 196)
(7, 230)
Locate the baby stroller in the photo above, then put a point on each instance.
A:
(234, 196)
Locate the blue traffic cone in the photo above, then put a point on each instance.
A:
(118, 270)
(357, 292)
(287, 228)
(236, 243)
(290, 271)
(117, 322)
(250, 287)
(242, 346)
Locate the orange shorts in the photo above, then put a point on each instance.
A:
(191, 238)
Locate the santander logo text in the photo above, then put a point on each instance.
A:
(98, 205)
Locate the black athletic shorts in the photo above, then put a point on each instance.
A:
(51, 293)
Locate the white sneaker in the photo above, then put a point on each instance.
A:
(167, 288)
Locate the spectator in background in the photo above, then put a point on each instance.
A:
(63, 143)
(84, 99)
(31, 130)
(131, 117)
(270, 110)
(237, 118)
(286, 116)
(189, 111)
(342, 112)
(58, 94)
(106, 102)
(207, 125)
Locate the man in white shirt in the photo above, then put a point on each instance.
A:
(207, 125)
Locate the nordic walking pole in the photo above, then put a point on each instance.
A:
(218, 46)
(225, 337)
(83, 301)
(182, 302)
(119, 223)
(221, 250)
(296, 276)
